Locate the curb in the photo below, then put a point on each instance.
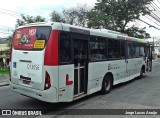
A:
(4, 84)
(4, 80)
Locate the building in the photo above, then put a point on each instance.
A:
(157, 47)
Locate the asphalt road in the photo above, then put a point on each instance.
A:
(138, 93)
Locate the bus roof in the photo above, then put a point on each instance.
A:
(86, 31)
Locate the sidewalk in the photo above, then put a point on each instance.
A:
(4, 80)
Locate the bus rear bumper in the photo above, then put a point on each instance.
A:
(49, 95)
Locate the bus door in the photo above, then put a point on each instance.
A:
(80, 66)
(149, 50)
(133, 61)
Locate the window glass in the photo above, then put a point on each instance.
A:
(123, 49)
(146, 50)
(98, 49)
(113, 49)
(129, 50)
(31, 38)
(43, 33)
(65, 47)
(142, 50)
(135, 49)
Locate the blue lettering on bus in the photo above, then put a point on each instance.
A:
(14, 65)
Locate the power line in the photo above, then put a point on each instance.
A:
(156, 17)
(158, 1)
(152, 20)
(148, 24)
(13, 12)
(156, 6)
(10, 14)
(155, 9)
(154, 14)
(10, 11)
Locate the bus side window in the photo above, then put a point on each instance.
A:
(113, 49)
(98, 49)
(65, 48)
(135, 49)
(146, 51)
(129, 50)
(142, 50)
(122, 49)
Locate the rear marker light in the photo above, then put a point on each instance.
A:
(68, 82)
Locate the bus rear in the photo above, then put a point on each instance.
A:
(30, 52)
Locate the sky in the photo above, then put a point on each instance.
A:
(10, 10)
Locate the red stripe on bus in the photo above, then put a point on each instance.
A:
(51, 51)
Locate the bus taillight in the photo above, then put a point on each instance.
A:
(47, 84)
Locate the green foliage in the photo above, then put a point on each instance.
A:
(29, 19)
(117, 14)
(55, 16)
(137, 32)
(74, 16)
(9, 40)
(4, 72)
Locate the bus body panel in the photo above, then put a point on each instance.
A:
(49, 95)
(28, 65)
(134, 65)
(97, 71)
(66, 82)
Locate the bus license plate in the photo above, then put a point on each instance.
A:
(26, 82)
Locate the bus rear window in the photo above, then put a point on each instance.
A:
(31, 38)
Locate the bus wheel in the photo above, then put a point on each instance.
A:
(141, 74)
(107, 84)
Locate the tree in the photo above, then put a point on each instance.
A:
(74, 15)
(5, 52)
(70, 16)
(82, 12)
(77, 15)
(137, 32)
(117, 14)
(29, 19)
(56, 17)
(9, 40)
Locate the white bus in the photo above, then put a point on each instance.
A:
(56, 62)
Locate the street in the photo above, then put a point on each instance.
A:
(136, 94)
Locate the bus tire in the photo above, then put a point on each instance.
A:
(141, 73)
(107, 84)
